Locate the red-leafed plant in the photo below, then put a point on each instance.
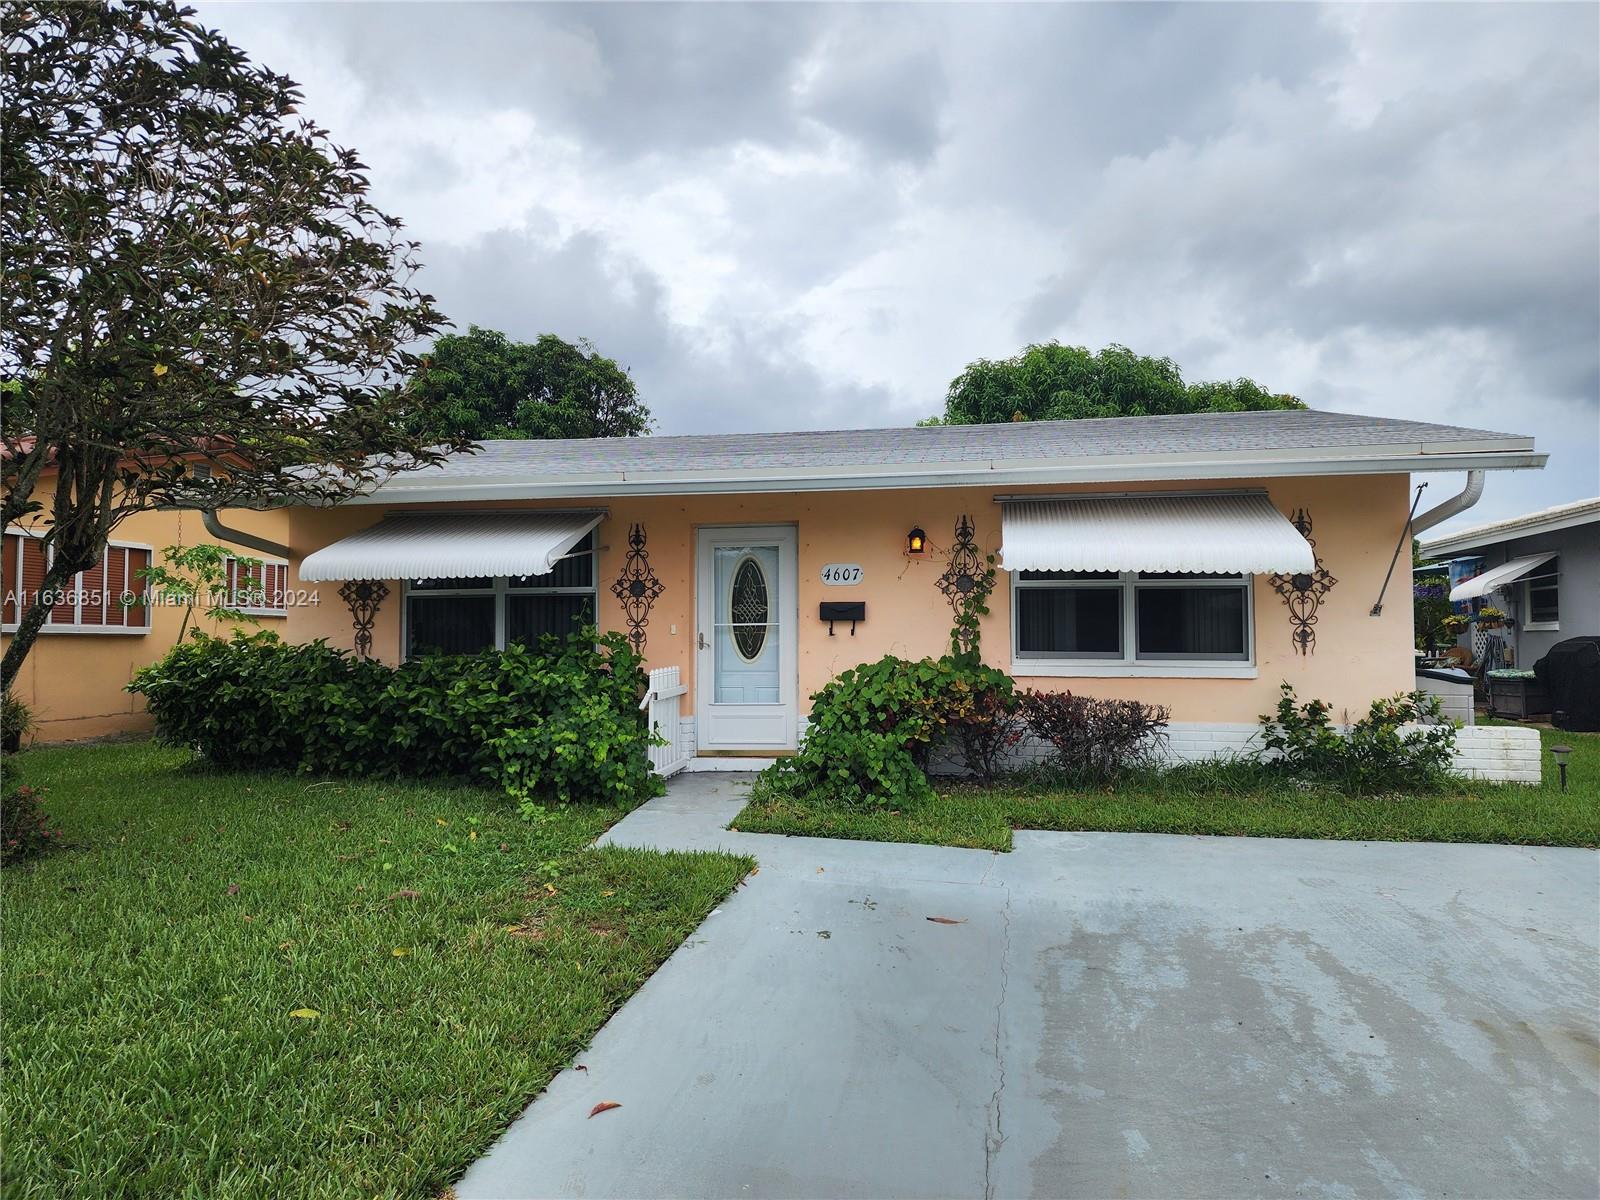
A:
(24, 829)
(1093, 738)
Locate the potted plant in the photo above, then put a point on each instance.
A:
(1489, 617)
(16, 719)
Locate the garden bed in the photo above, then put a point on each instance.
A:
(454, 957)
(1237, 799)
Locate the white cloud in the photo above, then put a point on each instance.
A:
(805, 215)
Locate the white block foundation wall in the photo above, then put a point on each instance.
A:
(1509, 753)
(1503, 753)
(1186, 742)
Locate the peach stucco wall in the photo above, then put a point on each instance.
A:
(74, 682)
(1356, 523)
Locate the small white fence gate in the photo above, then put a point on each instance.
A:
(661, 701)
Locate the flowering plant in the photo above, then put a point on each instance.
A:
(25, 831)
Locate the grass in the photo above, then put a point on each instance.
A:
(1234, 799)
(456, 955)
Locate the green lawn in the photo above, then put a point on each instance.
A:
(457, 957)
(1232, 800)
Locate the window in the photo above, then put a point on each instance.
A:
(107, 598)
(1069, 614)
(1129, 620)
(259, 587)
(1192, 617)
(464, 616)
(748, 609)
(1541, 597)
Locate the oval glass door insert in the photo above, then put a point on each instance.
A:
(749, 608)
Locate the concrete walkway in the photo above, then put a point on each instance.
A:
(1114, 1014)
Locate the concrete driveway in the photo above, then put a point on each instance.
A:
(1110, 1015)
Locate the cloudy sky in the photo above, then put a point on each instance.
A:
(811, 216)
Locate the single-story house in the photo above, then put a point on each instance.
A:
(1191, 561)
(1541, 569)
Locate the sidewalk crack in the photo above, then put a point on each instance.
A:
(994, 1136)
(994, 857)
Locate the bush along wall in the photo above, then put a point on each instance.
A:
(1402, 744)
(557, 723)
(873, 727)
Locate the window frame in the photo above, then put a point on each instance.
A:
(75, 588)
(1552, 574)
(229, 563)
(501, 588)
(1090, 657)
(1130, 663)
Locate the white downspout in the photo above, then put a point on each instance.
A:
(1469, 496)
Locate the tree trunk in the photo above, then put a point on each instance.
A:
(32, 621)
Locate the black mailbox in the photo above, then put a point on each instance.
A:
(843, 610)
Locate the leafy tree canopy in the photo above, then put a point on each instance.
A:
(1052, 382)
(193, 275)
(481, 384)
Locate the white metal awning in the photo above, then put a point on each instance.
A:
(1497, 577)
(454, 546)
(1223, 534)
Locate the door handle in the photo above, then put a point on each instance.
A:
(701, 638)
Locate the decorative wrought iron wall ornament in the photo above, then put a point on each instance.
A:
(364, 596)
(966, 583)
(1303, 591)
(637, 587)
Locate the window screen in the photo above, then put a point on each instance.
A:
(528, 618)
(1083, 622)
(1191, 622)
(449, 624)
(1544, 594)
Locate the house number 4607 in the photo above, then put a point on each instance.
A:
(838, 574)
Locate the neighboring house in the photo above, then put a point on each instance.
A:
(100, 632)
(1541, 569)
(1191, 561)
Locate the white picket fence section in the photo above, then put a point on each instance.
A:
(666, 688)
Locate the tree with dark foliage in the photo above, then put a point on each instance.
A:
(193, 274)
(1052, 382)
(481, 384)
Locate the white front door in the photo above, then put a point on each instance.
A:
(746, 669)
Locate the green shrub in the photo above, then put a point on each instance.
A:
(558, 723)
(16, 719)
(1375, 755)
(24, 829)
(1093, 739)
(873, 728)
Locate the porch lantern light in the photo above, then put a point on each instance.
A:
(1561, 754)
(916, 540)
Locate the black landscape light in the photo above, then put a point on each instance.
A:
(1561, 754)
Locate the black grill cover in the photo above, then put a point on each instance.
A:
(1570, 674)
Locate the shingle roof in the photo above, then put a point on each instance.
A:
(1208, 445)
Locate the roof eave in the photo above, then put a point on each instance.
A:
(414, 488)
(1455, 543)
